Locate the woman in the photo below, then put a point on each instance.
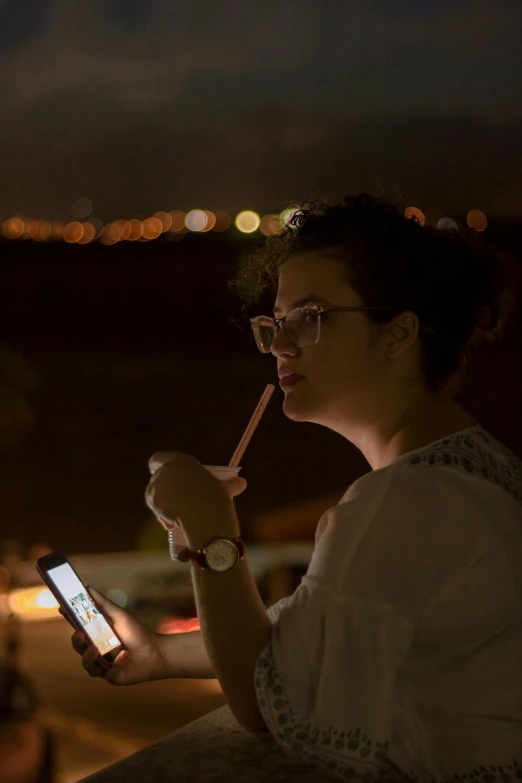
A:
(400, 654)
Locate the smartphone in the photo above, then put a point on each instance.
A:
(72, 595)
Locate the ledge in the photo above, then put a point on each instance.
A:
(212, 748)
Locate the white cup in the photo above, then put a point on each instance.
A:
(177, 540)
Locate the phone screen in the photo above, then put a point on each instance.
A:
(83, 607)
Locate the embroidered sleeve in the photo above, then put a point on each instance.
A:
(326, 681)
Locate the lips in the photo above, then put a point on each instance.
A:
(288, 378)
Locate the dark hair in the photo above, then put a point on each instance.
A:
(462, 293)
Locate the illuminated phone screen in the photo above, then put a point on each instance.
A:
(83, 607)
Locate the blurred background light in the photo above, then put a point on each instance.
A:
(125, 228)
(477, 220)
(13, 228)
(415, 212)
(44, 231)
(447, 224)
(196, 220)
(247, 222)
(152, 228)
(286, 215)
(223, 220)
(211, 221)
(136, 231)
(119, 597)
(165, 219)
(57, 228)
(178, 220)
(89, 234)
(73, 232)
(81, 208)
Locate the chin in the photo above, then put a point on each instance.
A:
(296, 408)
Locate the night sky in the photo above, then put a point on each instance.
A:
(160, 105)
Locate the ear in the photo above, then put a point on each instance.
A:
(403, 331)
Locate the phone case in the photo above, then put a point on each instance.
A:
(40, 567)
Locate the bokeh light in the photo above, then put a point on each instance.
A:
(196, 220)
(89, 234)
(165, 219)
(247, 221)
(30, 228)
(73, 232)
(477, 220)
(178, 220)
(81, 208)
(125, 228)
(416, 213)
(286, 215)
(136, 231)
(57, 228)
(264, 225)
(223, 220)
(152, 228)
(13, 228)
(44, 231)
(447, 224)
(211, 221)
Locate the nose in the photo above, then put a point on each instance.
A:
(282, 346)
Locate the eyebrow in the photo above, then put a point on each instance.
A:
(311, 298)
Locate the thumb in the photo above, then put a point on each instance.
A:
(111, 610)
(235, 486)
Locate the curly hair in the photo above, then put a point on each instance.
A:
(462, 293)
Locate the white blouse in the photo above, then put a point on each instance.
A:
(399, 656)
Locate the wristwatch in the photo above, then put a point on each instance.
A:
(220, 554)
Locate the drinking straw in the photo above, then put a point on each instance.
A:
(236, 458)
(251, 426)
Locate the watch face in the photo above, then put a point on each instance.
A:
(221, 555)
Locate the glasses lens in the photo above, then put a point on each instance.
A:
(264, 333)
(302, 326)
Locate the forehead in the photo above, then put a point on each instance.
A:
(310, 271)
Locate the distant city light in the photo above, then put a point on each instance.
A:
(415, 212)
(73, 232)
(247, 222)
(223, 220)
(178, 220)
(477, 220)
(136, 229)
(165, 218)
(196, 220)
(286, 215)
(211, 221)
(81, 208)
(447, 224)
(89, 233)
(13, 228)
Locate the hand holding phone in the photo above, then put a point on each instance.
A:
(119, 649)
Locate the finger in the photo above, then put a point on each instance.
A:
(160, 458)
(79, 642)
(89, 662)
(112, 611)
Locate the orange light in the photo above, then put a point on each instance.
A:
(44, 231)
(223, 220)
(477, 220)
(211, 221)
(178, 220)
(152, 228)
(126, 228)
(13, 228)
(89, 233)
(57, 228)
(73, 232)
(415, 212)
(165, 219)
(136, 229)
(30, 227)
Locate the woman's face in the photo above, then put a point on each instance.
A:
(346, 373)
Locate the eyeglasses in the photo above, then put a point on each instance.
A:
(302, 325)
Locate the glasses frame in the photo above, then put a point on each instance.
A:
(320, 309)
